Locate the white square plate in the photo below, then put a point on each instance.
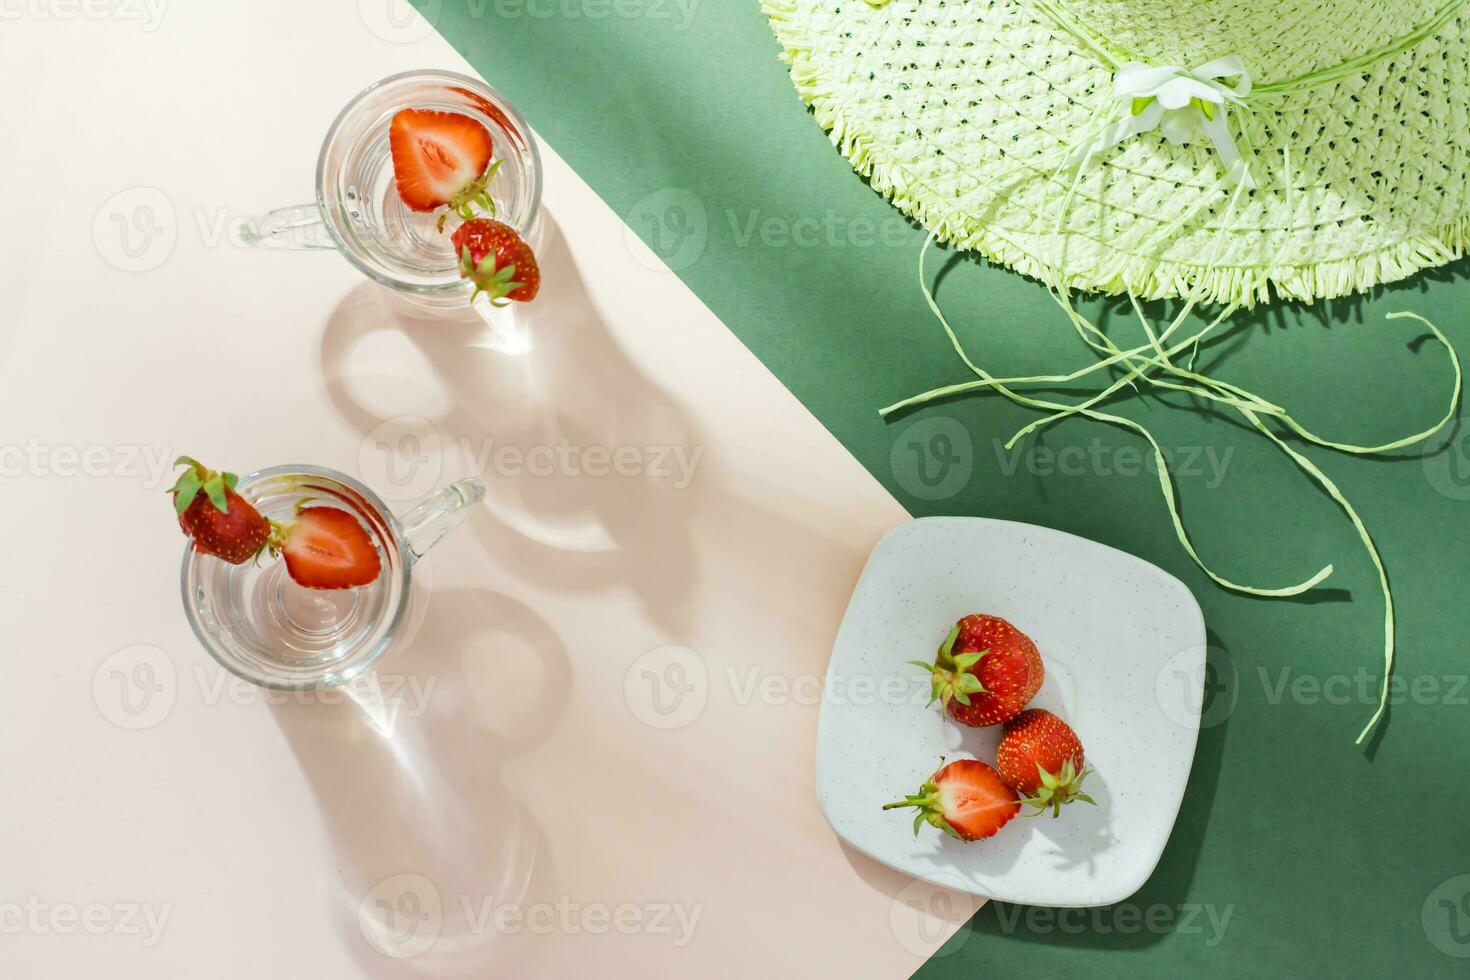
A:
(1123, 644)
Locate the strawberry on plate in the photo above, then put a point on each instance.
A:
(441, 159)
(985, 672)
(494, 257)
(1040, 757)
(965, 799)
(327, 548)
(219, 520)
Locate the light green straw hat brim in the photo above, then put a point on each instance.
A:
(1223, 152)
(968, 115)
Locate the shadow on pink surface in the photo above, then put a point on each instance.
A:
(424, 829)
(444, 810)
(429, 840)
(538, 426)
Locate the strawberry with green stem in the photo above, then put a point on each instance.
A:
(219, 520)
(324, 547)
(985, 671)
(1040, 757)
(495, 257)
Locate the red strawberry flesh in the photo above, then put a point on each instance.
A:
(439, 158)
(966, 799)
(327, 548)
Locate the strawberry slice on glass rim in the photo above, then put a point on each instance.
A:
(442, 159)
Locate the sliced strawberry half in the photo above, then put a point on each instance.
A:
(441, 159)
(965, 799)
(326, 548)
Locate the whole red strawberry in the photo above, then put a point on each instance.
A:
(494, 257)
(965, 799)
(985, 672)
(220, 521)
(1040, 757)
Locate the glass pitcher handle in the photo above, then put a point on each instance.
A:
(301, 227)
(426, 525)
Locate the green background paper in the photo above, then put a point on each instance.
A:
(1327, 860)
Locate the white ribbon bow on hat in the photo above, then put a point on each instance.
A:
(1180, 102)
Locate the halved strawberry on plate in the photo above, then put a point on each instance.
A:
(442, 159)
(966, 799)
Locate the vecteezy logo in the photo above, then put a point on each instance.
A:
(667, 688)
(675, 225)
(135, 687)
(401, 916)
(1448, 467)
(1446, 917)
(397, 22)
(924, 914)
(932, 458)
(135, 230)
(1198, 683)
(401, 458)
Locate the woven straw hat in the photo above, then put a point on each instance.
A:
(987, 120)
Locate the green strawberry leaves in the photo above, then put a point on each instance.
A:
(1058, 789)
(199, 477)
(966, 683)
(215, 488)
(472, 196)
(946, 649)
(497, 282)
(953, 677)
(185, 489)
(929, 807)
